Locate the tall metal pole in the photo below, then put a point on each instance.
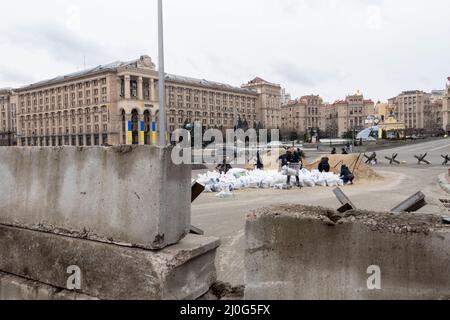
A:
(162, 86)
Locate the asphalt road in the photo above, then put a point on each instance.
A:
(225, 218)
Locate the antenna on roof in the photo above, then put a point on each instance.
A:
(84, 62)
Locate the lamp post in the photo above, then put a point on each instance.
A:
(162, 86)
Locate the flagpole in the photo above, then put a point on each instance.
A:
(162, 94)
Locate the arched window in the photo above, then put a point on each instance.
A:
(147, 127)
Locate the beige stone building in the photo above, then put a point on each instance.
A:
(269, 109)
(8, 125)
(446, 109)
(118, 104)
(304, 116)
(411, 107)
(348, 115)
(112, 104)
(214, 104)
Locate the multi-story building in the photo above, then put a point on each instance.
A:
(214, 104)
(118, 104)
(411, 107)
(269, 100)
(348, 115)
(285, 97)
(112, 104)
(8, 126)
(446, 108)
(304, 116)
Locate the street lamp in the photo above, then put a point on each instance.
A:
(162, 93)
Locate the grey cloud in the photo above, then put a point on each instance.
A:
(304, 76)
(13, 77)
(58, 41)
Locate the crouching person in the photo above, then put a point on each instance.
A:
(346, 175)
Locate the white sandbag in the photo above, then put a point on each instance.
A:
(309, 183)
(225, 194)
(289, 171)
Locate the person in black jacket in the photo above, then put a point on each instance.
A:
(294, 157)
(346, 175)
(334, 151)
(324, 165)
(259, 163)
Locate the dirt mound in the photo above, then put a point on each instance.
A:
(356, 164)
(270, 159)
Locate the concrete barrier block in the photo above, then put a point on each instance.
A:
(130, 194)
(297, 253)
(17, 288)
(107, 271)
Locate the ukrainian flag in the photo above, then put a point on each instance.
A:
(154, 135)
(130, 132)
(142, 132)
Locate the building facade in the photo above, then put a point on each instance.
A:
(118, 104)
(213, 104)
(108, 105)
(348, 115)
(8, 124)
(410, 107)
(285, 97)
(304, 116)
(269, 102)
(446, 109)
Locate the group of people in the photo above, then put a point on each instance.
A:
(347, 150)
(346, 174)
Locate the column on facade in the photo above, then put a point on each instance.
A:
(127, 87)
(140, 88)
(152, 90)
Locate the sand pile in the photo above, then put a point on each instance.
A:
(357, 166)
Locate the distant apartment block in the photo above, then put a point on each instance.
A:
(348, 115)
(304, 116)
(420, 110)
(285, 97)
(8, 124)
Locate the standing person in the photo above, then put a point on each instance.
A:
(324, 165)
(259, 163)
(348, 147)
(294, 160)
(291, 160)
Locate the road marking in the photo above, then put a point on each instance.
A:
(440, 148)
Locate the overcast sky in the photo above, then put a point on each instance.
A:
(326, 47)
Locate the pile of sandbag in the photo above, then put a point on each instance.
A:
(237, 179)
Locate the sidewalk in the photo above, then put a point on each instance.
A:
(444, 182)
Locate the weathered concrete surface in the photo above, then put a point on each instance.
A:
(121, 194)
(296, 252)
(17, 288)
(108, 271)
